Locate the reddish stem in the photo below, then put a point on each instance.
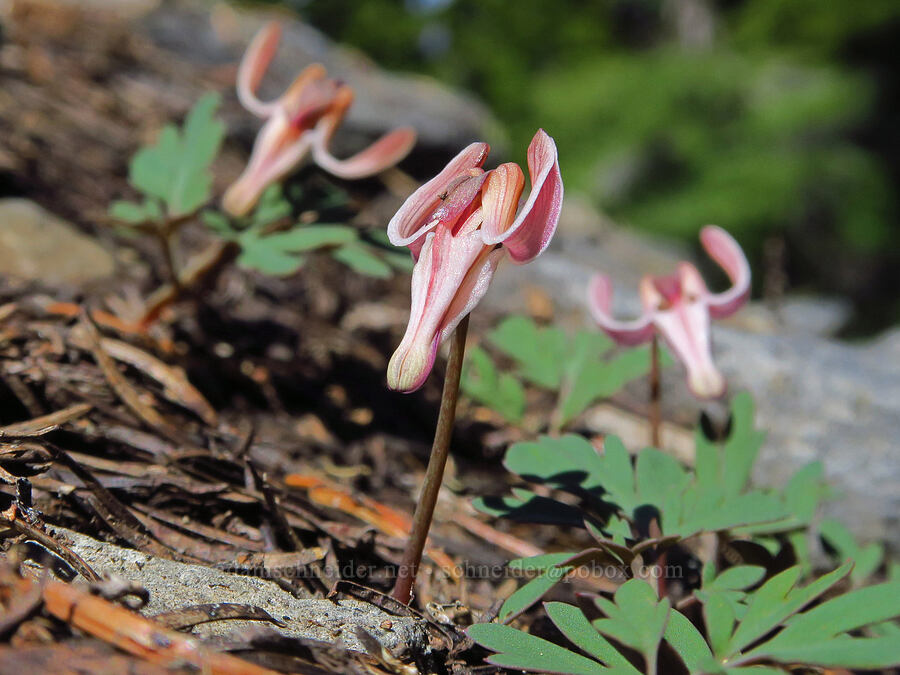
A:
(434, 474)
(655, 393)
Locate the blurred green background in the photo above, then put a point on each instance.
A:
(777, 119)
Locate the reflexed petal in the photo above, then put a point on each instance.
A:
(253, 67)
(450, 277)
(685, 328)
(722, 248)
(409, 224)
(600, 304)
(501, 199)
(279, 147)
(532, 231)
(383, 153)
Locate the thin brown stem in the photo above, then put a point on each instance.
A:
(434, 474)
(164, 236)
(201, 270)
(655, 393)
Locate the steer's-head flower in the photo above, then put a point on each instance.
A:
(303, 120)
(458, 226)
(679, 308)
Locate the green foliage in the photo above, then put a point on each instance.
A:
(715, 496)
(662, 165)
(522, 651)
(722, 598)
(867, 558)
(270, 249)
(743, 619)
(132, 213)
(539, 353)
(500, 391)
(578, 368)
(549, 574)
(173, 173)
(636, 619)
(767, 628)
(807, 26)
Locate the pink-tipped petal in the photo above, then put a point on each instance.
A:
(501, 199)
(685, 329)
(722, 248)
(382, 154)
(279, 147)
(412, 221)
(253, 67)
(450, 277)
(600, 304)
(532, 231)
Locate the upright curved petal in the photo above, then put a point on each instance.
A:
(311, 95)
(450, 277)
(722, 248)
(689, 284)
(279, 147)
(253, 67)
(532, 231)
(500, 198)
(411, 222)
(600, 304)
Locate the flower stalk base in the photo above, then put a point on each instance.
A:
(434, 474)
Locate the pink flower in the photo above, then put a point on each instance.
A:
(303, 120)
(458, 226)
(679, 308)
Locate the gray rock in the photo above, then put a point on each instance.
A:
(818, 398)
(173, 585)
(37, 246)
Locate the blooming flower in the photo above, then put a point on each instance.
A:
(303, 120)
(679, 308)
(458, 226)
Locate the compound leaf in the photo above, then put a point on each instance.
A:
(501, 391)
(361, 260)
(572, 623)
(521, 651)
(540, 353)
(176, 168)
(635, 618)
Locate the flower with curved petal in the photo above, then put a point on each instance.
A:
(458, 227)
(303, 120)
(679, 308)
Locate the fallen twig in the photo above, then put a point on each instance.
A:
(45, 423)
(135, 634)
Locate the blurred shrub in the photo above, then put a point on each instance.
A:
(669, 139)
